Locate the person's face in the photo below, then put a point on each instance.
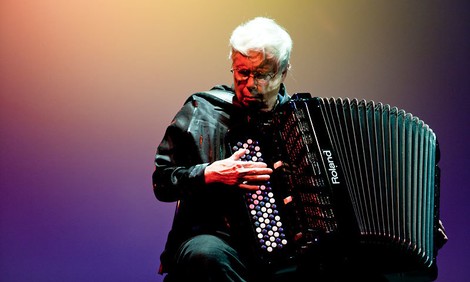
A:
(257, 81)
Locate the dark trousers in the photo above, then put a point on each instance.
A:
(209, 258)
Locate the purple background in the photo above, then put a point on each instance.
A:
(88, 87)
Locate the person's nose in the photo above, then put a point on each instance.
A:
(251, 83)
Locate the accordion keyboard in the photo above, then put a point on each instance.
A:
(262, 205)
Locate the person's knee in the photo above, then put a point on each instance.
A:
(208, 257)
(204, 250)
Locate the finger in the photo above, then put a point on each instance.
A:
(278, 164)
(255, 165)
(443, 234)
(245, 185)
(256, 178)
(259, 171)
(238, 154)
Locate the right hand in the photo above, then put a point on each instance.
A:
(234, 171)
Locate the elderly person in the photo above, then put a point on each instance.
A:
(194, 167)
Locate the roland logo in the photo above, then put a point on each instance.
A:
(331, 167)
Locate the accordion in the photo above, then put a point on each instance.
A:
(359, 182)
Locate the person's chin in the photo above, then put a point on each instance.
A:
(256, 107)
(252, 101)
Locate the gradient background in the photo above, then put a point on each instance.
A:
(88, 87)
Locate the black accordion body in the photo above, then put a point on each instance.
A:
(359, 183)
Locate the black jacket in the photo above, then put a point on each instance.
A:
(194, 139)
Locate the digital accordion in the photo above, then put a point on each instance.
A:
(359, 182)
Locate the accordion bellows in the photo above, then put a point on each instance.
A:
(359, 177)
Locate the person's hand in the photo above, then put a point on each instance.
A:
(441, 238)
(233, 171)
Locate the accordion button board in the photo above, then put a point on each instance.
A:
(262, 204)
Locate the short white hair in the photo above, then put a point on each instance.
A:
(262, 35)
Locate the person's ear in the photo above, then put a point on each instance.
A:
(284, 73)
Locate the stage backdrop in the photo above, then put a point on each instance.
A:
(88, 87)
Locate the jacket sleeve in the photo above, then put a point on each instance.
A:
(179, 170)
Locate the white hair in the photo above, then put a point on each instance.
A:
(262, 35)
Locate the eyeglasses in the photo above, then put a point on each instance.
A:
(260, 78)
